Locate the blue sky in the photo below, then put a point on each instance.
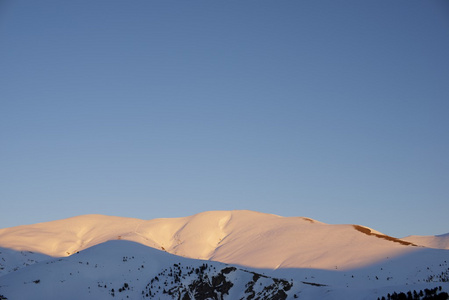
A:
(333, 110)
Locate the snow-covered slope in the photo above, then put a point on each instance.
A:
(128, 270)
(433, 241)
(238, 237)
(272, 257)
(11, 260)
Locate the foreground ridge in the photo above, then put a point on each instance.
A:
(128, 270)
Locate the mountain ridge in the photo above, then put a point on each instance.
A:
(236, 237)
(440, 241)
(119, 269)
(212, 255)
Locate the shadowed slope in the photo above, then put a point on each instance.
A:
(129, 270)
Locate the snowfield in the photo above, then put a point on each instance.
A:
(435, 241)
(214, 255)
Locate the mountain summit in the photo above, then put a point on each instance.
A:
(240, 237)
(215, 255)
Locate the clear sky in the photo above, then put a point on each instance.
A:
(333, 110)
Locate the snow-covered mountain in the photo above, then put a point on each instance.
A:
(433, 241)
(235, 237)
(216, 255)
(123, 269)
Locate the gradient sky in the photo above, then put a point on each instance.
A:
(333, 110)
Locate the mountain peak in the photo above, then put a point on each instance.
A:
(241, 237)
